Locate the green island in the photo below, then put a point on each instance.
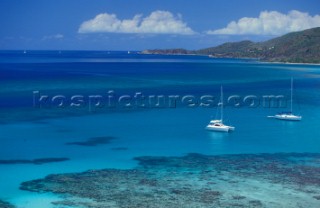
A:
(295, 47)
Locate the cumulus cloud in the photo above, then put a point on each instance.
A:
(158, 22)
(270, 23)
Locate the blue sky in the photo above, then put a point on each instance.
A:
(148, 24)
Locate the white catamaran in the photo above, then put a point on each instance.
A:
(217, 125)
(289, 116)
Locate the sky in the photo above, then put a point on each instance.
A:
(148, 24)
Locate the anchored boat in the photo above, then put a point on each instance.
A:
(218, 125)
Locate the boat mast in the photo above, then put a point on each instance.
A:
(291, 94)
(221, 105)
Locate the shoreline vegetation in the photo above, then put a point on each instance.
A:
(294, 48)
(194, 180)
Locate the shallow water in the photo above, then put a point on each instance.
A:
(31, 133)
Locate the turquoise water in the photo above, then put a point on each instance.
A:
(28, 133)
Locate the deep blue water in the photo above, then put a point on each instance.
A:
(29, 132)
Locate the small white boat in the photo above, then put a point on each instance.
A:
(217, 125)
(288, 116)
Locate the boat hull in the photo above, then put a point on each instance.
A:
(220, 128)
(288, 117)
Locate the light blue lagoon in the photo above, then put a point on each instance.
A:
(100, 138)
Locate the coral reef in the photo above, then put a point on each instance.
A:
(301, 169)
(4, 204)
(119, 149)
(251, 180)
(95, 141)
(38, 161)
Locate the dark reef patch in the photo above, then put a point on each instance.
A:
(62, 130)
(4, 204)
(298, 168)
(195, 180)
(95, 141)
(119, 148)
(38, 161)
(40, 122)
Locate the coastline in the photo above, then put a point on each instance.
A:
(290, 63)
(279, 49)
(226, 57)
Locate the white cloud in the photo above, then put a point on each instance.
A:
(270, 23)
(50, 37)
(158, 22)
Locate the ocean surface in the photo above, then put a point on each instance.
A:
(79, 117)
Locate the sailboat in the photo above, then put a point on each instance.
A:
(217, 125)
(289, 116)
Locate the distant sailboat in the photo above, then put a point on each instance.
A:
(217, 125)
(24, 52)
(289, 116)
